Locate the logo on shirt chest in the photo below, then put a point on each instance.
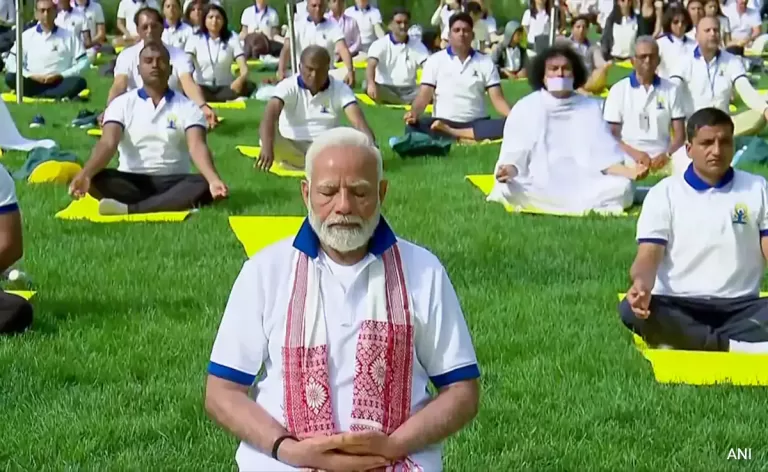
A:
(740, 214)
(660, 103)
(172, 121)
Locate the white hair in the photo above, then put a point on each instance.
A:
(644, 39)
(343, 137)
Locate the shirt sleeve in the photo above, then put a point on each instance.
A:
(345, 95)
(443, 344)
(274, 19)
(8, 200)
(335, 34)
(376, 51)
(237, 49)
(190, 47)
(429, 72)
(614, 106)
(121, 11)
(98, 13)
(655, 222)
(677, 105)
(241, 345)
(763, 223)
(122, 64)
(735, 68)
(182, 63)
(245, 18)
(286, 91)
(492, 75)
(526, 21)
(376, 17)
(115, 112)
(194, 117)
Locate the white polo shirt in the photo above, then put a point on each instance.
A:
(8, 201)
(709, 85)
(645, 116)
(94, 16)
(7, 12)
(72, 20)
(301, 11)
(48, 53)
(252, 331)
(755, 4)
(711, 234)
(260, 21)
(128, 64)
(154, 140)
(126, 10)
(398, 62)
(535, 25)
(324, 34)
(214, 58)
(366, 18)
(624, 35)
(742, 23)
(177, 35)
(445, 18)
(460, 88)
(671, 51)
(304, 116)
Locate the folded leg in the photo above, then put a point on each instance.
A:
(15, 314)
(125, 187)
(175, 193)
(290, 152)
(68, 87)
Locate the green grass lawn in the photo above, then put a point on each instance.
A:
(111, 375)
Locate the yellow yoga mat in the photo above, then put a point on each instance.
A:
(25, 294)
(277, 169)
(704, 367)
(87, 208)
(250, 63)
(355, 64)
(233, 105)
(364, 98)
(11, 98)
(624, 64)
(258, 232)
(54, 172)
(485, 182)
(119, 49)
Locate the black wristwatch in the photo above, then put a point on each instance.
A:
(278, 442)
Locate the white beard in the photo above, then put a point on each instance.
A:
(343, 239)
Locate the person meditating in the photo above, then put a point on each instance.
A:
(342, 328)
(53, 58)
(642, 109)
(393, 62)
(156, 131)
(149, 27)
(702, 246)
(458, 78)
(558, 154)
(304, 107)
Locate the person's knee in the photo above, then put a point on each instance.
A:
(15, 315)
(80, 84)
(627, 316)
(10, 80)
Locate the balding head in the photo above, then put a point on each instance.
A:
(344, 188)
(315, 64)
(708, 34)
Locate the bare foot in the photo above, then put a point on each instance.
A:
(439, 126)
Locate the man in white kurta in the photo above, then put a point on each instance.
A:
(558, 154)
(342, 328)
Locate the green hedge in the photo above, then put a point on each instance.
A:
(421, 10)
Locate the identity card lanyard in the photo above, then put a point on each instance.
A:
(216, 62)
(713, 77)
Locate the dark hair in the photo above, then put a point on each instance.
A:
(707, 117)
(463, 17)
(401, 11)
(670, 14)
(193, 3)
(225, 33)
(538, 66)
(428, 38)
(615, 15)
(314, 51)
(583, 18)
(474, 7)
(534, 10)
(156, 46)
(147, 11)
(719, 7)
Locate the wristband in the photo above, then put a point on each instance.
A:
(278, 442)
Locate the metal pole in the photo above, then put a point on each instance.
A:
(290, 5)
(19, 52)
(553, 21)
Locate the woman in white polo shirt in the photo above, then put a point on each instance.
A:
(674, 44)
(620, 31)
(536, 21)
(713, 9)
(193, 14)
(213, 50)
(175, 32)
(94, 21)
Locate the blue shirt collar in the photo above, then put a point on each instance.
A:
(696, 182)
(168, 25)
(323, 20)
(672, 39)
(256, 8)
(697, 53)
(307, 241)
(368, 8)
(394, 41)
(635, 83)
(303, 85)
(449, 50)
(39, 29)
(168, 94)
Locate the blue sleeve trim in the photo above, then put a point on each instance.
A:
(196, 125)
(113, 121)
(10, 208)
(763, 233)
(354, 102)
(468, 372)
(228, 373)
(659, 241)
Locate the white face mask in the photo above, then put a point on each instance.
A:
(559, 84)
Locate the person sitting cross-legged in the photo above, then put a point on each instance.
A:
(702, 245)
(642, 108)
(126, 26)
(558, 154)
(458, 78)
(156, 132)
(304, 107)
(54, 58)
(393, 62)
(339, 331)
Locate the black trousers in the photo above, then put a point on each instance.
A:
(68, 87)
(151, 193)
(224, 93)
(696, 324)
(484, 128)
(15, 314)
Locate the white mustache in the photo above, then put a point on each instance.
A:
(346, 220)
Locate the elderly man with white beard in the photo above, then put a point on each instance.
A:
(340, 329)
